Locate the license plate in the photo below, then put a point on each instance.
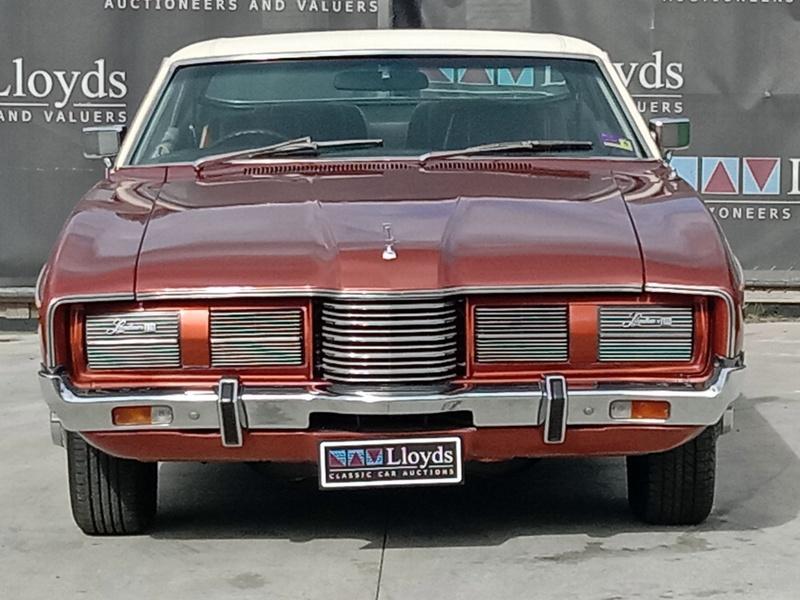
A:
(384, 463)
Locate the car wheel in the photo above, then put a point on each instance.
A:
(109, 496)
(675, 487)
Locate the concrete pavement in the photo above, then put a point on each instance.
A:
(551, 529)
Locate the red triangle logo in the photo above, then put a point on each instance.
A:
(334, 460)
(720, 181)
(762, 169)
(356, 460)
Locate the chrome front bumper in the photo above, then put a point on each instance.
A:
(291, 408)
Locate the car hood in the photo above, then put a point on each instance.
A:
(555, 225)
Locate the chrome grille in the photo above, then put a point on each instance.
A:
(636, 333)
(256, 338)
(521, 334)
(133, 340)
(389, 342)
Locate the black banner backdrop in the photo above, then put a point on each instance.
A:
(727, 64)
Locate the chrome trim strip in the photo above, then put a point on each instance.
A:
(388, 339)
(216, 293)
(351, 309)
(213, 293)
(339, 327)
(57, 302)
(310, 292)
(37, 290)
(340, 324)
(666, 288)
(281, 408)
(392, 372)
(332, 355)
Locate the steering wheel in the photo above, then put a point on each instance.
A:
(260, 137)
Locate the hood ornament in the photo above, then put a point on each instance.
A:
(389, 251)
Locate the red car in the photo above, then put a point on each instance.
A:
(389, 253)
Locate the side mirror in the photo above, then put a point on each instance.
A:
(103, 142)
(671, 134)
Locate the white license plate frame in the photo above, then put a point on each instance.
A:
(398, 462)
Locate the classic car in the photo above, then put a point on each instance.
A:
(389, 254)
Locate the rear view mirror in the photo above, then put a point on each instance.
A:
(671, 134)
(381, 81)
(102, 142)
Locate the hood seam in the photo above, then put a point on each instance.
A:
(635, 230)
(144, 235)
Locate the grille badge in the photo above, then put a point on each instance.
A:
(122, 327)
(638, 320)
(141, 339)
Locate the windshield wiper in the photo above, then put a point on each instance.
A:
(304, 145)
(521, 146)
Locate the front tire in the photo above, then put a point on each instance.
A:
(109, 495)
(675, 487)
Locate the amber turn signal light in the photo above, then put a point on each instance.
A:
(141, 415)
(640, 410)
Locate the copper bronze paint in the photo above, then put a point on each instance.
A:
(605, 230)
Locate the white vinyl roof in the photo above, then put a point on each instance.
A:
(392, 41)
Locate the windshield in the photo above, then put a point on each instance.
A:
(413, 105)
